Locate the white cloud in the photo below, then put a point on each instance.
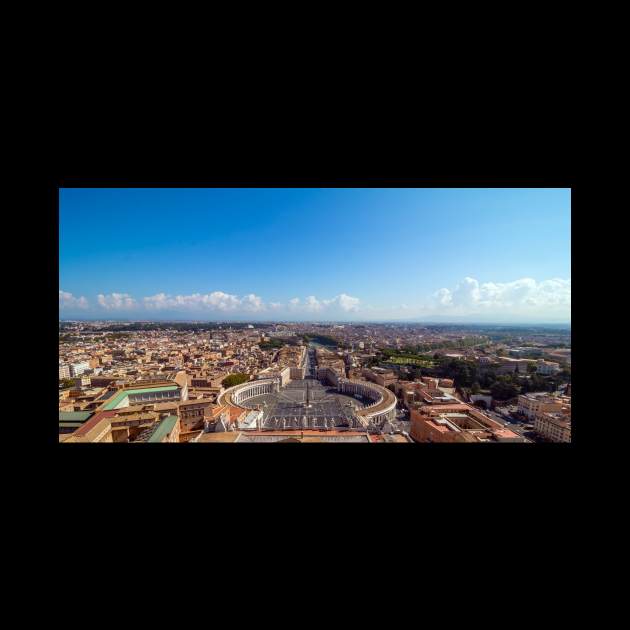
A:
(250, 303)
(157, 301)
(116, 301)
(67, 300)
(215, 301)
(469, 297)
(253, 303)
(311, 304)
(444, 297)
(519, 296)
(348, 303)
(219, 301)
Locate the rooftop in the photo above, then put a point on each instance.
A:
(505, 433)
(122, 394)
(74, 416)
(163, 429)
(225, 436)
(92, 427)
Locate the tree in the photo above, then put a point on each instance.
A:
(270, 344)
(553, 384)
(488, 377)
(235, 379)
(531, 368)
(538, 383)
(475, 387)
(464, 373)
(502, 390)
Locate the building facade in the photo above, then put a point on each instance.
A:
(76, 369)
(547, 368)
(555, 427)
(530, 405)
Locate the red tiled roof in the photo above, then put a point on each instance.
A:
(505, 433)
(236, 413)
(92, 422)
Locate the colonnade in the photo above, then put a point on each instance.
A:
(255, 388)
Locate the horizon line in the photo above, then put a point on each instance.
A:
(322, 321)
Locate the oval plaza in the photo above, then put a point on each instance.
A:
(316, 395)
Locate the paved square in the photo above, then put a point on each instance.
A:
(286, 409)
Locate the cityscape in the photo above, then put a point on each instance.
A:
(371, 316)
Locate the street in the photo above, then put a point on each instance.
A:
(510, 422)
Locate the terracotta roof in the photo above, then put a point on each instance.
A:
(199, 401)
(432, 410)
(236, 412)
(440, 428)
(505, 433)
(92, 422)
(225, 436)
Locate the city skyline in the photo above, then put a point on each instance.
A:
(421, 255)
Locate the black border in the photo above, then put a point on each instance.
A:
(354, 463)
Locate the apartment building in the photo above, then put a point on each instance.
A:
(510, 366)
(547, 368)
(380, 376)
(76, 369)
(530, 405)
(195, 414)
(554, 426)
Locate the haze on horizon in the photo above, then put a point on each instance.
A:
(364, 255)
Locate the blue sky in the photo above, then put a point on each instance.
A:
(315, 254)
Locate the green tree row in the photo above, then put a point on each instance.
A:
(235, 379)
(270, 344)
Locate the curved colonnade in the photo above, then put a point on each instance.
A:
(238, 394)
(382, 408)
